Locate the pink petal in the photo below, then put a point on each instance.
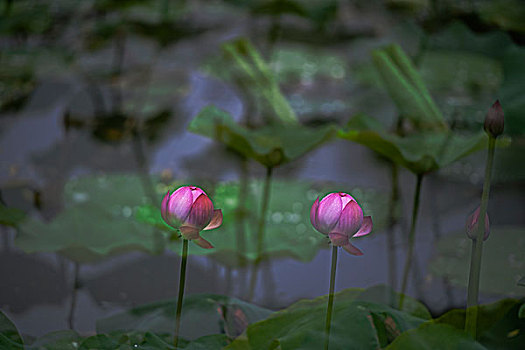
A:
(179, 205)
(350, 220)
(366, 227)
(473, 222)
(345, 198)
(328, 213)
(201, 242)
(216, 220)
(195, 192)
(164, 208)
(313, 213)
(338, 239)
(189, 232)
(352, 249)
(201, 212)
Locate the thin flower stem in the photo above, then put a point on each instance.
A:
(182, 281)
(330, 298)
(74, 294)
(392, 223)
(477, 247)
(411, 240)
(260, 231)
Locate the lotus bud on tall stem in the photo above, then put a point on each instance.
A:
(339, 217)
(494, 124)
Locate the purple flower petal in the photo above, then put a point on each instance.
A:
(345, 198)
(473, 223)
(201, 212)
(196, 192)
(328, 213)
(366, 227)
(201, 242)
(216, 220)
(189, 232)
(313, 213)
(350, 220)
(352, 249)
(338, 239)
(179, 205)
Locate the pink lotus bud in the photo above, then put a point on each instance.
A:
(189, 210)
(472, 225)
(495, 121)
(340, 217)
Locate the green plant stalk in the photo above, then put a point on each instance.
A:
(392, 222)
(182, 282)
(330, 298)
(74, 294)
(477, 247)
(411, 240)
(260, 231)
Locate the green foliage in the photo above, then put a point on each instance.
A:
(288, 229)
(501, 268)
(98, 221)
(420, 153)
(10, 339)
(202, 314)
(270, 145)
(356, 323)
(11, 216)
(406, 88)
(507, 14)
(435, 336)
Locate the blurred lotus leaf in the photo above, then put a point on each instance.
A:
(421, 152)
(271, 146)
(11, 216)
(288, 229)
(503, 259)
(202, 314)
(10, 339)
(507, 14)
(98, 221)
(301, 325)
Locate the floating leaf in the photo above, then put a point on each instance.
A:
(288, 229)
(270, 145)
(98, 221)
(420, 153)
(59, 340)
(502, 265)
(10, 339)
(355, 324)
(202, 314)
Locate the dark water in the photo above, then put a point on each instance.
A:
(41, 151)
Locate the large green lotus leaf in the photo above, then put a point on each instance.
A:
(433, 336)
(10, 339)
(248, 69)
(59, 340)
(406, 88)
(502, 264)
(288, 229)
(511, 92)
(269, 145)
(11, 216)
(98, 221)
(420, 153)
(507, 14)
(356, 324)
(202, 314)
(498, 325)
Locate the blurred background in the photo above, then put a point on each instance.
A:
(95, 101)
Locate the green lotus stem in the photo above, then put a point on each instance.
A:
(392, 221)
(74, 293)
(330, 298)
(182, 281)
(477, 247)
(241, 211)
(260, 231)
(411, 240)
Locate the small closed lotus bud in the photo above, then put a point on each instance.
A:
(473, 223)
(339, 217)
(189, 210)
(494, 121)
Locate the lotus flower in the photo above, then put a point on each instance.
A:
(340, 217)
(472, 225)
(189, 210)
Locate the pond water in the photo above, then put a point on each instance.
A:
(97, 103)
